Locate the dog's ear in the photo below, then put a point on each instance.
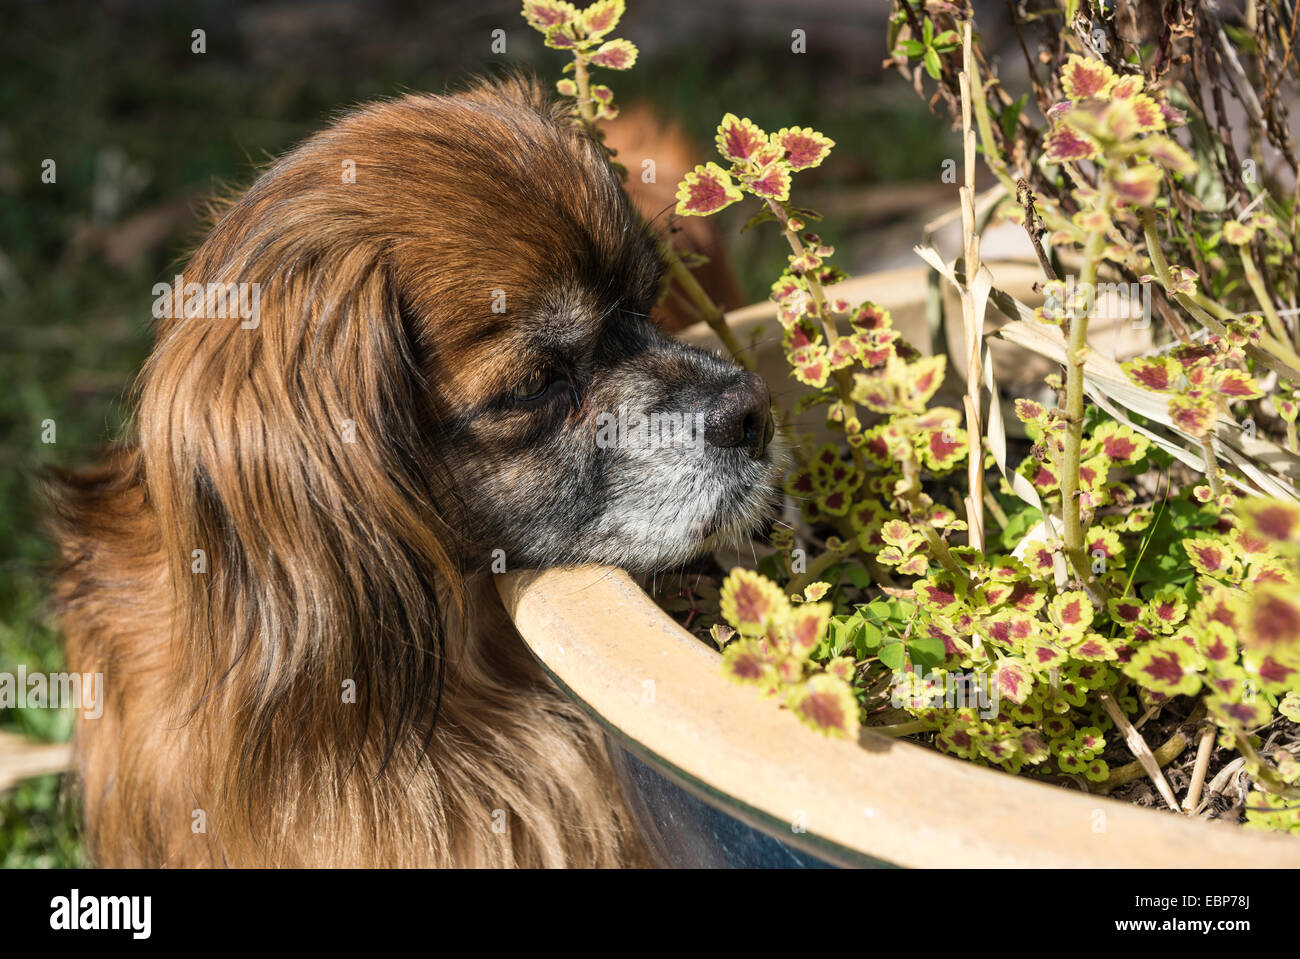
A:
(288, 460)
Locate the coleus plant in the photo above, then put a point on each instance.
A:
(1060, 648)
(1037, 652)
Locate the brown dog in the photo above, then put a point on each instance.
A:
(395, 360)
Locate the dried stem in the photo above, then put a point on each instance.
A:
(1141, 751)
(973, 324)
(1204, 748)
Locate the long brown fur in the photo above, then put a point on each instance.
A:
(226, 738)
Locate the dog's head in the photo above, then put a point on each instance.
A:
(451, 352)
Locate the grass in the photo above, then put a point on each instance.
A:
(135, 122)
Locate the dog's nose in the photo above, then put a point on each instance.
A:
(741, 417)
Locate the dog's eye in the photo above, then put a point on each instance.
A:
(539, 388)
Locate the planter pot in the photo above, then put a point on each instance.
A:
(718, 776)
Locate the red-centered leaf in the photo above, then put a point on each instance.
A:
(811, 366)
(1027, 597)
(1043, 655)
(1104, 542)
(601, 17)
(744, 661)
(1039, 559)
(943, 449)
(1119, 443)
(938, 593)
(1209, 555)
(815, 591)
(1130, 84)
(1125, 610)
(926, 376)
(615, 55)
(1044, 477)
(1031, 412)
(805, 626)
(842, 668)
(1137, 186)
(1166, 609)
(1067, 145)
(561, 37)
(1086, 79)
(1192, 414)
(544, 14)
(705, 190)
(866, 514)
(834, 503)
(826, 703)
(1071, 611)
(868, 316)
(787, 286)
(1128, 116)
(1094, 649)
(1237, 233)
(740, 139)
(1169, 154)
(1009, 629)
(1166, 666)
(1238, 714)
(799, 484)
(751, 602)
(1236, 384)
(1271, 519)
(1217, 645)
(804, 148)
(1275, 676)
(1096, 770)
(772, 183)
(916, 566)
(1012, 679)
(1271, 624)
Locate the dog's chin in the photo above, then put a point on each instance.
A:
(740, 513)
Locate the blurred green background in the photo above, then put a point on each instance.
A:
(141, 129)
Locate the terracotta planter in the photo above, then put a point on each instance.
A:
(700, 743)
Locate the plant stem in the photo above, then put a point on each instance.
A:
(709, 311)
(1212, 467)
(994, 507)
(1261, 294)
(1074, 361)
(912, 496)
(901, 729)
(1166, 753)
(843, 381)
(819, 565)
(583, 81)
